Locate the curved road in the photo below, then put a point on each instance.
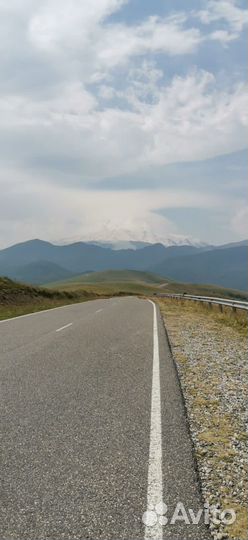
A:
(93, 426)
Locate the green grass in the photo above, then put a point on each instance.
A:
(113, 276)
(114, 282)
(18, 299)
(7, 312)
(135, 282)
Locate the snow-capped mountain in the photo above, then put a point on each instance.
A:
(168, 242)
(116, 244)
(133, 235)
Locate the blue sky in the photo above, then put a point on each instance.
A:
(123, 119)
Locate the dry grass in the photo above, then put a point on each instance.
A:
(240, 527)
(18, 299)
(209, 348)
(237, 320)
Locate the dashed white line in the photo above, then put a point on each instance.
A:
(155, 483)
(98, 311)
(63, 327)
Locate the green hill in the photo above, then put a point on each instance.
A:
(39, 262)
(134, 282)
(114, 282)
(114, 276)
(18, 299)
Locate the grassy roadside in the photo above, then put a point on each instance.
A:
(19, 299)
(7, 312)
(237, 321)
(210, 350)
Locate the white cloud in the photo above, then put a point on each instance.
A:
(78, 29)
(78, 34)
(224, 10)
(54, 212)
(153, 35)
(187, 120)
(61, 26)
(193, 120)
(228, 12)
(223, 36)
(83, 98)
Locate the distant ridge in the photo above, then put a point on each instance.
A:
(37, 261)
(226, 267)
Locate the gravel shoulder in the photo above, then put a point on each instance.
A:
(210, 351)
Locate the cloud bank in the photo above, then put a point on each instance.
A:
(86, 97)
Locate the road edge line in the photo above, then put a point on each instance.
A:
(155, 482)
(49, 309)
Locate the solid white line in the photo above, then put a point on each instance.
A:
(63, 327)
(155, 484)
(98, 311)
(44, 311)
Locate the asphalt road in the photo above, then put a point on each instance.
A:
(93, 426)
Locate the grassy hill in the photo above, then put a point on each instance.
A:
(114, 276)
(134, 282)
(38, 262)
(113, 282)
(18, 299)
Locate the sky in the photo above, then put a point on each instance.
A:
(123, 120)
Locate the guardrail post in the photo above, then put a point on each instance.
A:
(221, 308)
(234, 309)
(210, 305)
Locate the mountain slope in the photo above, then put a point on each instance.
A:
(40, 262)
(39, 272)
(224, 267)
(75, 258)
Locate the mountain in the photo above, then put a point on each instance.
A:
(232, 245)
(122, 245)
(75, 258)
(226, 267)
(82, 257)
(132, 231)
(39, 272)
(37, 261)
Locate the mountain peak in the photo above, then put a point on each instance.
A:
(132, 233)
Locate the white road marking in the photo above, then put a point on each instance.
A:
(155, 484)
(63, 327)
(42, 311)
(98, 311)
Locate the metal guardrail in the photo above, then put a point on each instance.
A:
(210, 300)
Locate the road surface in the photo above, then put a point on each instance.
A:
(93, 426)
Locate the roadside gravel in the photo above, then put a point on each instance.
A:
(211, 358)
